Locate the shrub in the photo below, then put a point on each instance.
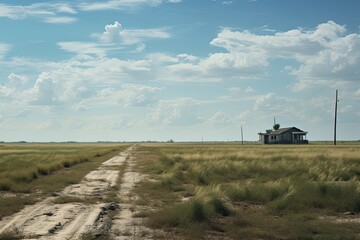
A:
(197, 211)
(220, 207)
(5, 185)
(43, 170)
(182, 214)
(66, 164)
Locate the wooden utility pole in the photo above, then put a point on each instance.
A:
(242, 136)
(336, 102)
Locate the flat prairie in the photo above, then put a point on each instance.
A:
(251, 191)
(180, 191)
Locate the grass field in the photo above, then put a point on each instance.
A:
(30, 172)
(211, 190)
(250, 191)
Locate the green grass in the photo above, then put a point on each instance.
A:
(251, 191)
(30, 172)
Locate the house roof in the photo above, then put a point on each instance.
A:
(282, 130)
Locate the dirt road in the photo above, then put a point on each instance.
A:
(80, 215)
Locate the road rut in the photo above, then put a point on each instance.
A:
(48, 220)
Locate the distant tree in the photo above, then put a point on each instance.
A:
(276, 126)
(268, 130)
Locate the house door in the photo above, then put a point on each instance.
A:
(266, 139)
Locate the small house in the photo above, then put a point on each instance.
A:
(291, 135)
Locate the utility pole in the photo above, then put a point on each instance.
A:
(242, 136)
(336, 102)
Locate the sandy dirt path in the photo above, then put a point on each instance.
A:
(125, 225)
(47, 220)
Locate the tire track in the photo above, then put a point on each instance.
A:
(48, 220)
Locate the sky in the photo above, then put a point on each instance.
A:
(187, 70)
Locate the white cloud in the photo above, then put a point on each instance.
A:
(161, 58)
(249, 90)
(16, 80)
(140, 48)
(226, 120)
(83, 48)
(118, 4)
(60, 20)
(131, 95)
(4, 48)
(275, 104)
(21, 12)
(81, 83)
(263, 101)
(49, 12)
(234, 90)
(215, 68)
(115, 33)
(346, 108)
(357, 93)
(181, 111)
(326, 55)
(174, 1)
(13, 87)
(188, 57)
(220, 118)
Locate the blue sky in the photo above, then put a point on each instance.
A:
(127, 70)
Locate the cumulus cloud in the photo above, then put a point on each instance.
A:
(263, 101)
(16, 80)
(215, 68)
(220, 118)
(325, 53)
(181, 111)
(13, 86)
(225, 120)
(115, 33)
(85, 81)
(131, 95)
(271, 103)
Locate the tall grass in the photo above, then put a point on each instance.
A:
(285, 180)
(31, 172)
(21, 164)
